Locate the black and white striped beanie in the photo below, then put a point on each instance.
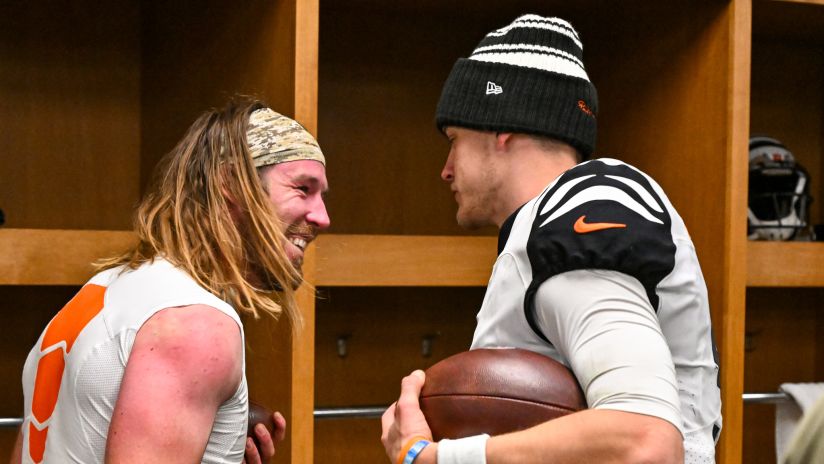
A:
(527, 77)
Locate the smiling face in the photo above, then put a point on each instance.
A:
(471, 170)
(296, 189)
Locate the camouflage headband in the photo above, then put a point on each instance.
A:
(274, 139)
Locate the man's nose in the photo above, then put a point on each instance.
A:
(318, 216)
(447, 173)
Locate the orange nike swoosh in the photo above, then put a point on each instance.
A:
(584, 228)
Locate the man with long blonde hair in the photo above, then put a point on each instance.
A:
(146, 362)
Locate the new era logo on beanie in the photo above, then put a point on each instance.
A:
(539, 61)
(493, 88)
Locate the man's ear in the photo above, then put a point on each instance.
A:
(502, 139)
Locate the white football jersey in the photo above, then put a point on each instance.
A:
(610, 228)
(72, 376)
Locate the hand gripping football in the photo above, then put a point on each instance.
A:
(496, 391)
(259, 414)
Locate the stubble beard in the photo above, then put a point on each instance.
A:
(261, 277)
(477, 210)
(467, 221)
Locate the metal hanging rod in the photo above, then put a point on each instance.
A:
(765, 398)
(362, 412)
(355, 412)
(8, 422)
(377, 411)
(374, 412)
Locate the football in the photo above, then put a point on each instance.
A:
(496, 391)
(259, 414)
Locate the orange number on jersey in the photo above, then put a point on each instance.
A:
(63, 331)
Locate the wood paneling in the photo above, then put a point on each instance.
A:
(784, 323)
(381, 72)
(811, 2)
(349, 440)
(397, 260)
(197, 55)
(70, 87)
(306, 64)
(732, 287)
(384, 329)
(303, 341)
(64, 257)
(56, 257)
(664, 106)
(783, 326)
(785, 264)
(788, 103)
(798, 20)
(303, 368)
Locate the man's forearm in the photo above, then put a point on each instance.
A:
(602, 436)
(593, 435)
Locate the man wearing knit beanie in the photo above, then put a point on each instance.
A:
(595, 268)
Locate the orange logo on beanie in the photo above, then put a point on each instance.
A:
(583, 106)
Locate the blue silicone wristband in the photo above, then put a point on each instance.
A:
(414, 451)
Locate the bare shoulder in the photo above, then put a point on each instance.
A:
(185, 362)
(194, 342)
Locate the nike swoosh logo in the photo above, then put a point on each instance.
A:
(584, 227)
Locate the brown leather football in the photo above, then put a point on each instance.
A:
(496, 391)
(259, 414)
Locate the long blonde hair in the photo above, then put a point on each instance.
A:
(187, 218)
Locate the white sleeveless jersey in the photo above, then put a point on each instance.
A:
(607, 216)
(72, 376)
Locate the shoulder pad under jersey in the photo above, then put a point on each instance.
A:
(601, 215)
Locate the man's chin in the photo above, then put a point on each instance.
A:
(468, 223)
